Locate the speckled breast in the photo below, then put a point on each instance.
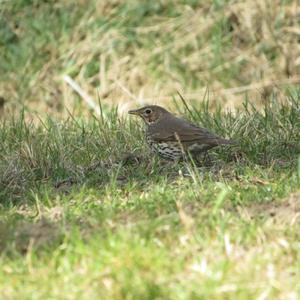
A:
(166, 150)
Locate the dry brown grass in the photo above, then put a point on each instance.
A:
(243, 47)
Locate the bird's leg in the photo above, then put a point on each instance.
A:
(192, 158)
(206, 159)
(198, 161)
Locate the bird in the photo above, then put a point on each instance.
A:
(173, 138)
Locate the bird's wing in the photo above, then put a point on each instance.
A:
(187, 133)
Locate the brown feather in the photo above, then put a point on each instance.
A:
(172, 128)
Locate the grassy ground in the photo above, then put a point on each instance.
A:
(133, 51)
(88, 213)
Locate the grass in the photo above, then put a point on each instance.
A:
(134, 51)
(87, 212)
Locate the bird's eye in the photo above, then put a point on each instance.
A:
(148, 111)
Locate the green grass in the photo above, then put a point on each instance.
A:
(87, 212)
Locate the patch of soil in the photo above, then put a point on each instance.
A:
(286, 211)
(37, 235)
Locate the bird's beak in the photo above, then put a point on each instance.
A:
(134, 112)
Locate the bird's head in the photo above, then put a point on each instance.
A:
(150, 114)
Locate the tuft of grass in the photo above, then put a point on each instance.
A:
(105, 151)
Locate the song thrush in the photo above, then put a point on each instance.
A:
(171, 137)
